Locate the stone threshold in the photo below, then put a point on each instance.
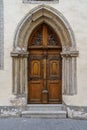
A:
(49, 107)
(45, 111)
(44, 114)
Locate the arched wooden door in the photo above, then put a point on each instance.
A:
(44, 66)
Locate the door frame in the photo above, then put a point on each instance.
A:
(45, 53)
(19, 54)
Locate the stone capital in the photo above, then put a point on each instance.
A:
(70, 53)
(19, 53)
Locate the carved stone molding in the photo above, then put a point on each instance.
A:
(69, 75)
(19, 54)
(50, 16)
(70, 54)
(19, 75)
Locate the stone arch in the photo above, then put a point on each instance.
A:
(19, 54)
(50, 16)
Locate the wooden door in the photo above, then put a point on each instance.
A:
(44, 66)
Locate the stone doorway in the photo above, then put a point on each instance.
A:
(20, 53)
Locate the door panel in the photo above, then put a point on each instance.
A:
(35, 89)
(35, 69)
(54, 91)
(44, 67)
(54, 67)
(35, 65)
(54, 78)
(35, 78)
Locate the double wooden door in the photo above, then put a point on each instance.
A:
(44, 67)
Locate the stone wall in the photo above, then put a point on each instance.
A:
(75, 13)
(1, 35)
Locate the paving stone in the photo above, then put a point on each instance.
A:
(42, 124)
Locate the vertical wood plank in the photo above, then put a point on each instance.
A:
(45, 35)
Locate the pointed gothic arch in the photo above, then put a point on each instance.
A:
(69, 53)
(53, 18)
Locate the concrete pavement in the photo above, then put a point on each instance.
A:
(42, 124)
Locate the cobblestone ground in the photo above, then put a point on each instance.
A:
(42, 124)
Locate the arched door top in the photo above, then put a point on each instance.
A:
(47, 15)
(44, 36)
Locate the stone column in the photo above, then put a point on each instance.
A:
(73, 89)
(20, 73)
(69, 85)
(63, 75)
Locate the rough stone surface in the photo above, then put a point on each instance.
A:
(10, 112)
(33, 111)
(40, 111)
(79, 114)
(18, 101)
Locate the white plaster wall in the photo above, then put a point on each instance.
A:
(75, 12)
